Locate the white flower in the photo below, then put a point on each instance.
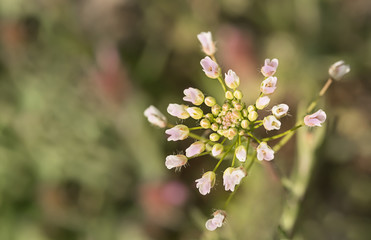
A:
(195, 149)
(216, 221)
(179, 132)
(175, 161)
(232, 177)
(338, 70)
(315, 119)
(264, 152)
(241, 153)
(177, 110)
(206, 182)
(207, 43)
(155, 117)
(280, 110)
(271, 123)
(269, 67)
(210, 67)
(232, 80)
(193, 95)
(262, 102)
(268, 85)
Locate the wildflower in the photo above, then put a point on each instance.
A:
(241, 153)
(280, 110)
(262, 102)
(217, 149)
(268, 85)
(194, 96)
(232, 80)
(207, 43)
(232, 177)
(206, 182)
(155, 117)
(269, 67)
(338, 70)
(315, 119)
(195, 112)
(177, 110)
(264, 152)
(271, 123)
(195, 149)
(175, 161)
(210, 67)
(179, 132)
(216, 221)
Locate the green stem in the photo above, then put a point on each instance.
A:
(282, 134)
(222, 83)
(197, 137)
(195, 128)
(224, 155)
(200, 155)
(257, 140)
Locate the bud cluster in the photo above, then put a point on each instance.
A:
(230, 124)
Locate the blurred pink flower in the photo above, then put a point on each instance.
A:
(264, 152)
(155, 117)
(270, 67)
(193, 95)
(178, 110)
(216, 221)
(315, 119)
(207, 43)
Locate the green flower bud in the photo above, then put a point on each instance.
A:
(214, 127)
(253, 116)
(229, 95)
(244, 124)
(210, 101)
(204, 123)
(250, 108)
(215, 109)
(195, 112)
(214, 137)
(238, 94)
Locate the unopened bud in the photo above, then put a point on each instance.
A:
(226, 107)
(214, 137)
(204, 123)
(238, 94)
(195, 112)
(253, 116)
(214, 127)
(210, 101)
(244, 124)
(216, 109)
(218, 120)
(245, 112)
(229, 95)
(217, 149)
(250, 108)
(241, 132)
(338, 70)
(238, 106)
(209, 116)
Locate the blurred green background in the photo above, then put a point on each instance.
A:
(78, 160)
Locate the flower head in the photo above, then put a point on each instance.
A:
(268, 85)
(210, 67)
(315, 119)
(155, 117)
(177, 110)
(271, 123)
(216, 221)
(179, 132)
(175, 161)
(262, 102)
(338, 70)
(206, 182)
(280, 110)
(264, 152)
(232, 177)
(232, 80)
(269, 67)
(207, 43)
(193, 95)
(241, 153)
(195, 149)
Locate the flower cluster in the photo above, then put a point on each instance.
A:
(230, 125)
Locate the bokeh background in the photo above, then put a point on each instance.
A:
(78, 160)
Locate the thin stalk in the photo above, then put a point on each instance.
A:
(200, 155)
(256, 139)
(222, 83)
(281, 134)
(224, 155)
(195, 128)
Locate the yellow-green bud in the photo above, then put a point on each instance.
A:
(209, 116)
(244, 124)
(229, 95)
(218, 120)
(253, 116)
(236, 114)
(226, 107)
(245, 113)
(215, 109)
(238, 106)
(214, 137)
(214, 127)
(195, 112)
(204, 123)
(250, 108)
(217, 149)
(231, 133)
(241, 132)
(210, 101)
(238, 94)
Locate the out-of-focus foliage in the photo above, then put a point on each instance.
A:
(79, 161)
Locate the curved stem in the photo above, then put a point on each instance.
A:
(224, 155)
(222, 83)
(200, 155)
(282, 134)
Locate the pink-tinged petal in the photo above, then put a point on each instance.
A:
(210, 67)
(232, 80)
(268, 86)
(315, 119)
(338, 70)
(271, 123)
(193, 95)
(280, 110)
(270, 67)
(207, 43)
(264, 152)
(175, 161)
(206, 182)
(155, 117)
(262, 102)
(179, 132)
(195, 149)
(177, 110)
